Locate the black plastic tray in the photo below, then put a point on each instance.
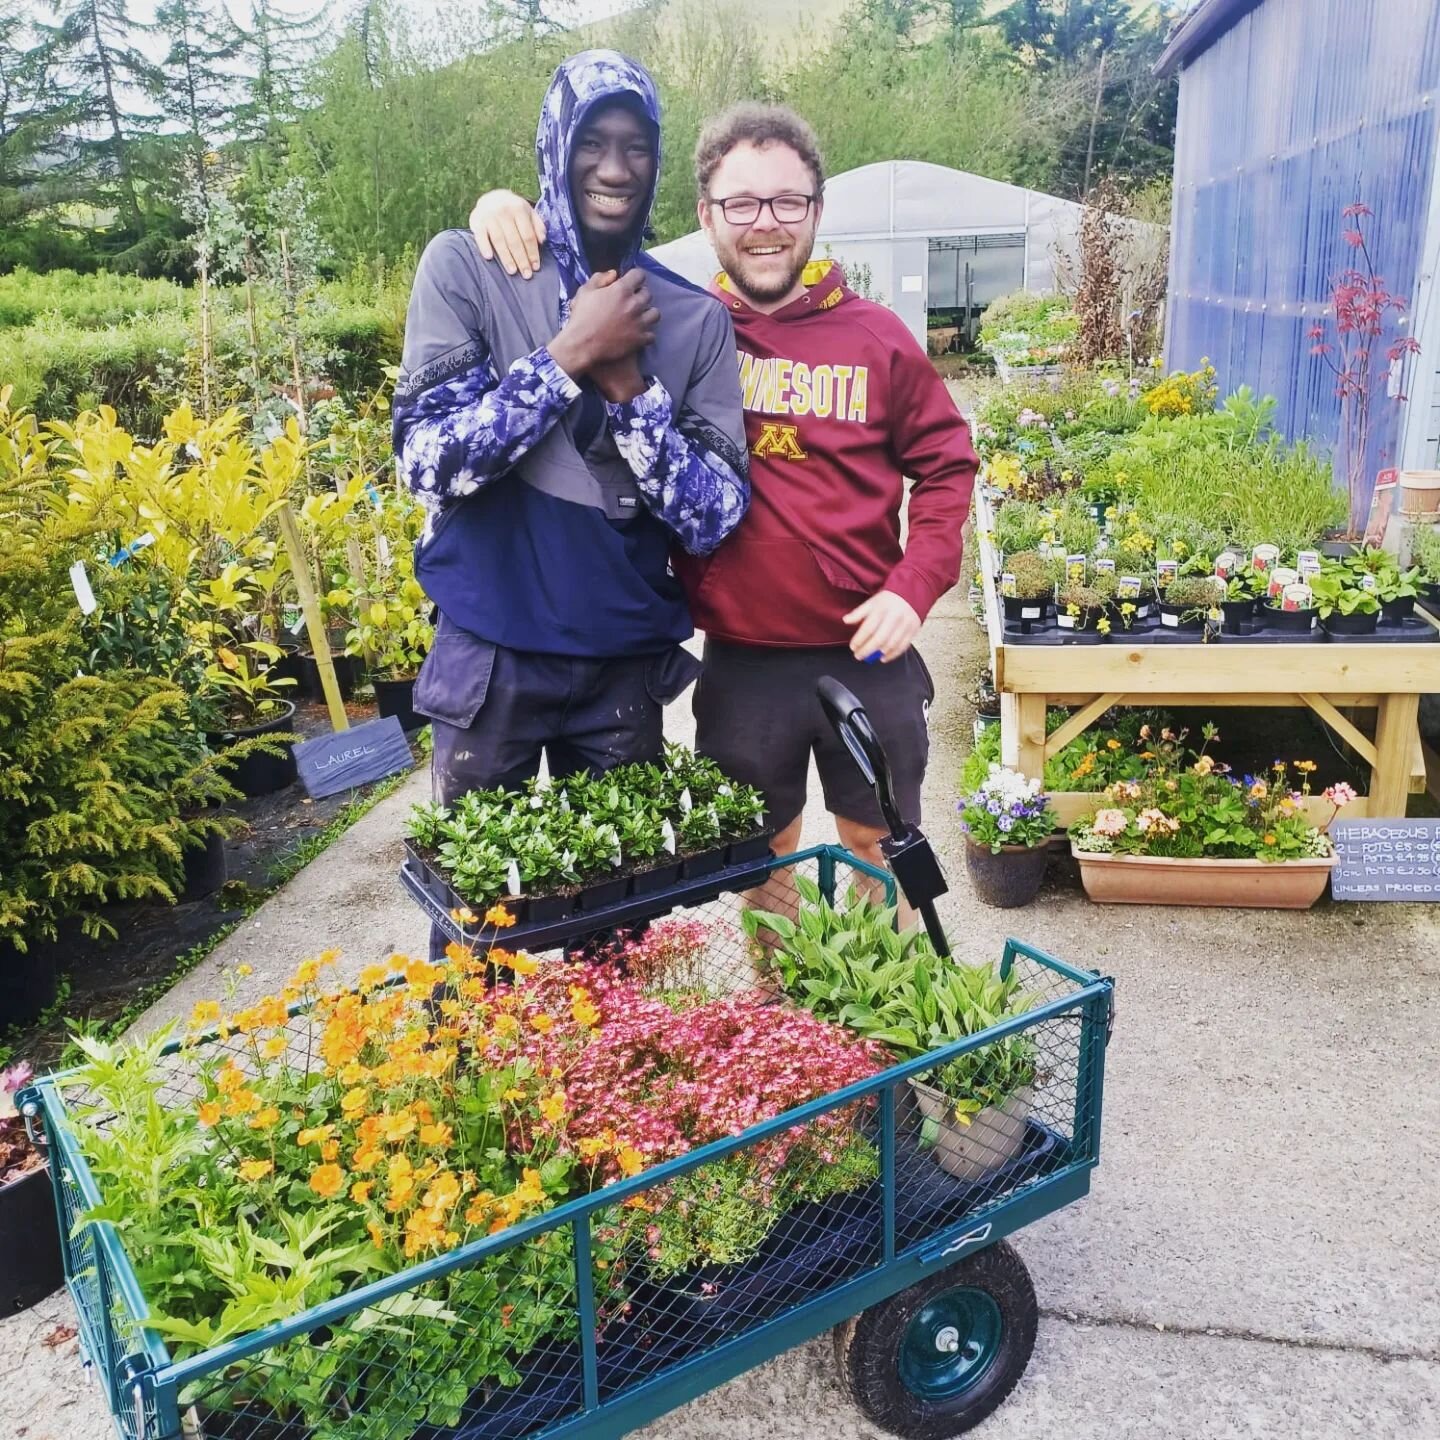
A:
(551, 934)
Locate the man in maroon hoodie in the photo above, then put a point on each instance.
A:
(841, 405)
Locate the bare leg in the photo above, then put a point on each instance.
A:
(778, 894)
(863, 841)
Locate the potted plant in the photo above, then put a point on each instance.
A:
(1379, 570)
(1081, 607)
(1237, 609)
(30, 1263)
(1292, 610)
(1027, 590)
(851, 965)
(1345, 606)
(1186, 832)
(1007, 824)
(1189, 601)
(241, 702)
(393, 635)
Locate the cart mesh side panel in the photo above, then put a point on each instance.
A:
(618, 1289)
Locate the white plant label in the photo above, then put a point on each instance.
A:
(668, 831)
(512, 878)
(83, 593)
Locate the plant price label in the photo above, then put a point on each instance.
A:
(1105, 567)
(1165, 572)
(1007, 585)
(1386, 859)
(1128, 587)
(83, 593)
(1075, 567)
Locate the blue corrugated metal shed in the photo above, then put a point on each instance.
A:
(1290, 110)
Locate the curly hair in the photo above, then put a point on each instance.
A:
(759, 125)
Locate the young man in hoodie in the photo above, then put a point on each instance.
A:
(841, 405)
(563, 436)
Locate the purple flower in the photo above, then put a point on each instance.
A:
(1005, 823)
(16, 1077)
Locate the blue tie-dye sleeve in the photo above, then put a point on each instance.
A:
(689, 458)
(461, 432)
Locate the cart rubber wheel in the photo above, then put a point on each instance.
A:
(936, 1359)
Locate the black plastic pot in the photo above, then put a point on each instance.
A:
(1189, 619)
(707, 862)
(1337, 624)
(246, 1420)
(660, 876)
(1007, 880)
(30, 1264)
(546, 909)
(1026, 611)
(1397, 612)
(752, 847)
(393, 697)
(287, 667)
(1300, 622)
(29, 981)
(601, 893)
(1237, 613)
(347, 675)
(1088, 620)
(260, 774)
(205, 869)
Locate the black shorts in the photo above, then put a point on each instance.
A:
(758, 718)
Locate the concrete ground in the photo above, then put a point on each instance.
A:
(1260, 1251)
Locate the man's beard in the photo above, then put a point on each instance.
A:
(765, 288)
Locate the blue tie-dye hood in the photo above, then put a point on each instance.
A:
(578, 84)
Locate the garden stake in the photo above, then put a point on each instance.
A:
(314, 623)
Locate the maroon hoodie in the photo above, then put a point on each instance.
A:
(840, 405)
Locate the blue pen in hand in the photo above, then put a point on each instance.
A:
(873, 656)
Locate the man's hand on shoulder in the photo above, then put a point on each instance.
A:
(886, 624)
(507, 229)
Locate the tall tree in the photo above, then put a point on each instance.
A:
(116, 86)
(35, 161)
(198, 98)
(276, 47)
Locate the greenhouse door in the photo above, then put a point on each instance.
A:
(967, 272)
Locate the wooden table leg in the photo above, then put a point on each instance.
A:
(1395, 727)
(1030, 725)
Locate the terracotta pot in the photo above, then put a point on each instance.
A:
(1007, 880)
(993, 1137)
(1249, 884)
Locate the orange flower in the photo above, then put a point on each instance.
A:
(630, 1160)
(519, 962)
(372, 977)
(400, 1177)
(360, 1191)
(436, 1135)
(210, 1113)
(583, 1008)
(264, 1119)
(377, 1236)
(230, 1079)
(478, 1211)
(330, 1150)
(463, 915)
(327, 1181)
(394, 1128)
(255, 1169)
(315, 1135)
(499, 917)
(423, 975)
(366, 1158)
(1269, 839)
(206, 1012)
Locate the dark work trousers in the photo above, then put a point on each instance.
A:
(494, 712)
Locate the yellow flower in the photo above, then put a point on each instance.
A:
(590, 1148)
(552, 1107)
(499, 917)
(1112, 744)
(372, 977)
(274, 1047)
(315, 1135)
(630, 1160)
(255, 1169)
(377, 1236)
(543, 1023)
(244, 970)
(327, 1181)
(210, 1113)
(530, 1191)
(264, 1119)
(306, 973)
(1269, 839)
(330, 1150)
(206, 1012)
(512, 1094)
(463, 915)
(436, 1134)
(354, 1102)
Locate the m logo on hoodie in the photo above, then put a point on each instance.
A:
(780, 441)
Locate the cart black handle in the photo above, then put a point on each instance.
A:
(850, 722)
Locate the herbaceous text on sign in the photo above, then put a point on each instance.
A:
(1386, 860)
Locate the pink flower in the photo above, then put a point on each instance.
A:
(1355, 208)
(16, 1077)
(1340, 794)
(1109, 822)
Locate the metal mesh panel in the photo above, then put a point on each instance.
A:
(714, 1238)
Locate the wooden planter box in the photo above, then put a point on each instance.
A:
(1248, 884)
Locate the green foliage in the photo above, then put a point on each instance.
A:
(852, 967)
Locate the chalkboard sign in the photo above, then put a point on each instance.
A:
(1386, 860)
(352, 757)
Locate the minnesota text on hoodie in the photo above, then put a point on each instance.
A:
(841, 404)
(552, 512)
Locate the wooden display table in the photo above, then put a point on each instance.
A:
(1336, 681)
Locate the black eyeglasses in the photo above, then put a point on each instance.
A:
(745, 209)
